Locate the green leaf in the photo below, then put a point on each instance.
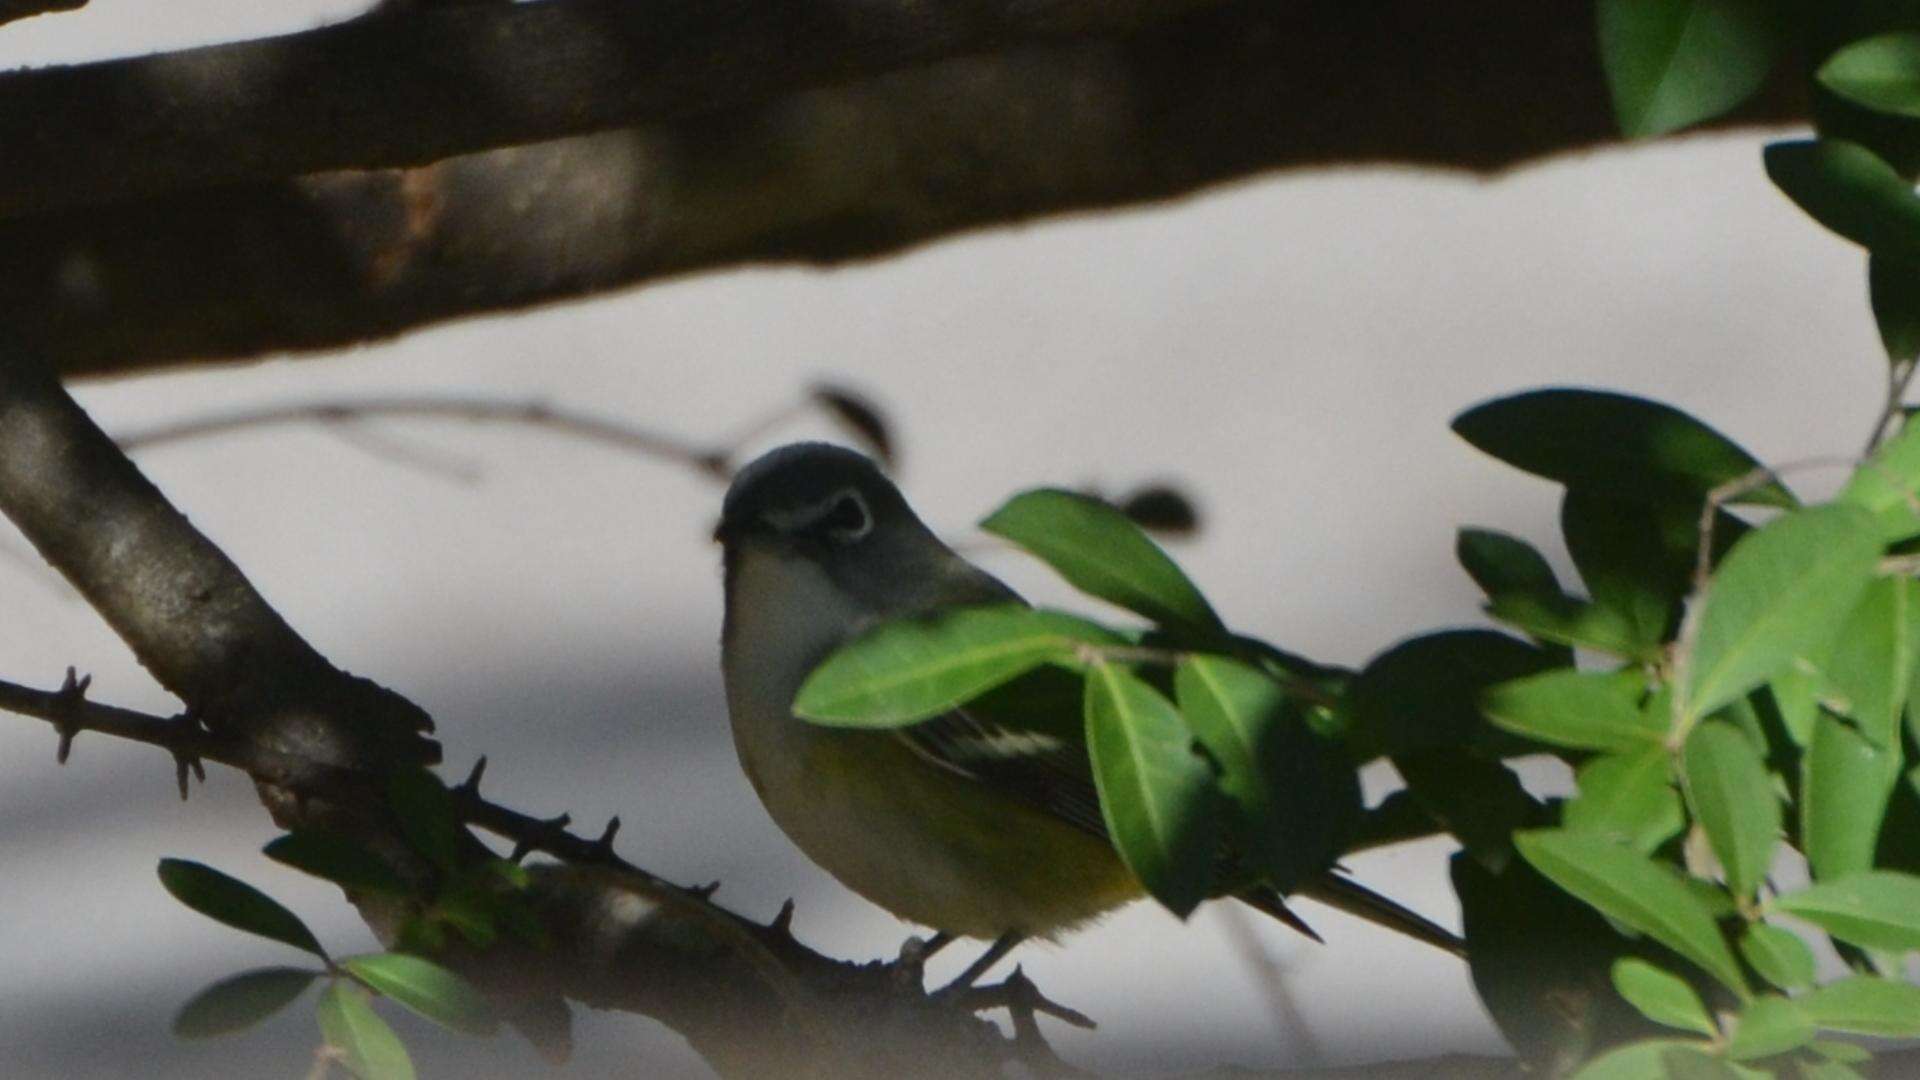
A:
(427, 815)
(1614, 444)
(336, 858)
(1783, 590)
(1869, 664)
(1661, 996)
(1726, 784)
(1103, 553)
(1564, 620)
(1845, 1053)
(235, 903)
(1671, 63)
(1154, 789)
(1866, 1005)
(237, 1003)
(1881, 73)
(902, 672)
(426, 988)
(1875, 909)
(1635, 1061)
(1630, 557)
(1888, 483)
(1636, 892)
(1796, 694)
(366, 1044)
(1893, 286)
(1298, 795)
(1577, 709)
(1424, 693)
(1769, 1025)
(1480, 801)
(1502, 564)
(1850, 190)
(1845, 784)
(1628, 799)
(1778, 955)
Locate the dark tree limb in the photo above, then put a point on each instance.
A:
(21, 9)
(410, 87)
(856, 170)
(188, 613)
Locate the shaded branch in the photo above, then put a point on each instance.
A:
(860, 169)
(21, 9)
(406, 87)
(188, 613)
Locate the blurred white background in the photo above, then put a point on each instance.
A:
(1290, 349)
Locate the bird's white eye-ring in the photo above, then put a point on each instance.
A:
(846, 517)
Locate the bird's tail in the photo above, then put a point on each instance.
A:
(1344, 894)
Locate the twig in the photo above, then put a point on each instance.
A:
(603, 430)
(1899, 377)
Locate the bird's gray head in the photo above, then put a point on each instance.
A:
(811, 511)
(810, 498)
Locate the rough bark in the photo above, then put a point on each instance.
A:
(822, 175)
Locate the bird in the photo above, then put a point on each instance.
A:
(970, 826)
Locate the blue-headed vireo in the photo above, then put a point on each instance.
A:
(959, 823)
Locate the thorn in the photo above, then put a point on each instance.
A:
(603, 847)
(67, 702)
(183, 761)
(471, 785)
(704, 892)
(782, 923)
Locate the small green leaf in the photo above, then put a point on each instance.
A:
(1672, 63)
(1893, 286)
(1154, 789)
(1850, 190)
(1784, 589)
(1778, 955)
(1869, 663)
(1578, 709)
(427, 815)
(1628, 799)
(235, 903)
(1480, 801)
(1875, 909)
(1424, 693)
(366, 1044)
(1297, 793)
(336, 858)
(1888, 483)
(1796, 694)
(1502, 564)
(426, 988)
(902, 672)
(1636, 892)
(1635, 1061)
(1564, 620)
(1612, 443)
(237, 1003)
(1102, 553)
(1881, 73)
(1726, 784)
(1661, 996)
(1866, 1005)
(1637, 555)
(1769, 1025)
(1845, 1053)
(1845, 782)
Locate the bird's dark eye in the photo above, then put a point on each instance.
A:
(847, 519)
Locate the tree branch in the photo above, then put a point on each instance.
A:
(21, 9)
(409, 87)
(856, 170)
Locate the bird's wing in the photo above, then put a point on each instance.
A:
(1023, 740)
